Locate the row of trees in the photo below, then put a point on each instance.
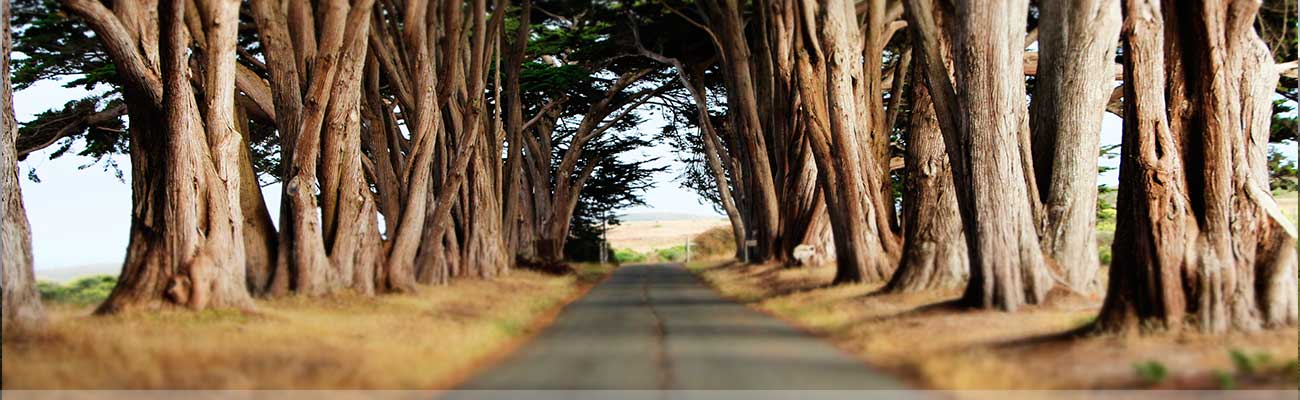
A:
(420, 141)
(834, 106)
(415, 142)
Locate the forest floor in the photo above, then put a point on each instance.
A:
(426, 340)
(928, 342)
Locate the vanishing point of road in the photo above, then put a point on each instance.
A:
(657, 326)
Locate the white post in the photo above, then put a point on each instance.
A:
(688, 249)
(604, 238)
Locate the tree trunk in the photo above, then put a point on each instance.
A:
(934, 252)
(260, 237)
(189, 250)
(837, 136)
(21, 305)
(1076, 43)
(764, 213)
(485, 247)
(514, 126)
(1199, 238)
(981, 125)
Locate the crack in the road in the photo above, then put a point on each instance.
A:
(662, 361)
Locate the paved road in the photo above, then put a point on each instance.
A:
(660, 327)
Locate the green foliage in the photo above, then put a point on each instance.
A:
(1283, 126)
(624, 256)
(55, 47)
(1292, 369)
(1277, 25)
(1282, 174)
(1106, 216)
(1249, 363)
(616, 184)
(1225, 380)
(1151, 372)
(83, 291)
(1108, 152)
(672, 254)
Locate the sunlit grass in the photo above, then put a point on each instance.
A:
(415, 341)
(925, 339)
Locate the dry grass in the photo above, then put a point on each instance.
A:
(926, 340)
(646, 236)
(422, 340)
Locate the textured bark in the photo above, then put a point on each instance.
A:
(934, 251)
(1199, 239)
(1076, 45)
(514, 127)
(829, 75)
(260, 237)
(804, 219)
(21, 307)
(981, 125)
(763, 214)
(321, 249)
(187, 244)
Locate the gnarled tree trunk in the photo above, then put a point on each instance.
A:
(187, 243)
(1076, 42)
(981, 125)
(829, 79)
(763, 207)
(934, 252)
(1199, 238)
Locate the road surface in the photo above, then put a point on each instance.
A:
(660, 327)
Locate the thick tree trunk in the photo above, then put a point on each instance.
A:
(764, 213)
(837, 134)
(188, 249)
(485, 248)
(1076, 43)
(1199, 238)
(934, 251)
(21, 305)
(981, 125)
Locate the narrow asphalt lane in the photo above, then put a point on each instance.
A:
(659, 327)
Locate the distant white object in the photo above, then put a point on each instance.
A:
(804, 253)
(751, 243)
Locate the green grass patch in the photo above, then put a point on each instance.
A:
(82, 291)
(624, 256)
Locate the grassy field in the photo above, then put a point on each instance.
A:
(425, 340)
(648, 236)
(930, 343)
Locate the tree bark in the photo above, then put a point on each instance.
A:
(763, 214)
(192, 254)
(981, 125)
(21, 305)
(260, 237)
(1199, 239)
(829, 75)
(934, 251)
(1076, 44)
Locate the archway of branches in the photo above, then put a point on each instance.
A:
(930, 145)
